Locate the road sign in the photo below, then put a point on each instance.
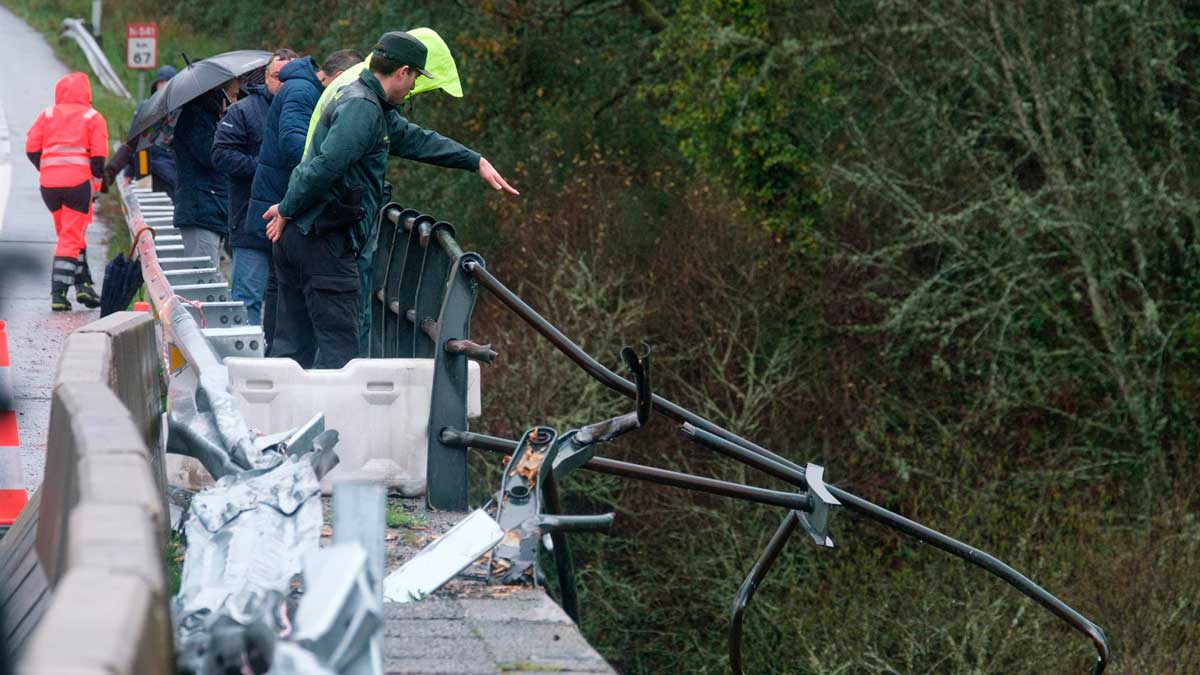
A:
(141, 46)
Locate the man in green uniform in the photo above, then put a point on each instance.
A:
(440, 65)
(332, 203)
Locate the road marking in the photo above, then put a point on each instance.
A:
(5, 167)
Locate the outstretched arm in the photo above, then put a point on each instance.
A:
(412, 142)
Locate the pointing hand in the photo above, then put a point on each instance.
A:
(492, 177)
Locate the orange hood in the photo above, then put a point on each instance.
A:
(73, 88)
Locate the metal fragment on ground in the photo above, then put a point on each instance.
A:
(442, 560)
(340, 618)
(250, 532)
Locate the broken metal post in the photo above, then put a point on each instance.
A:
(472, 350)
(564, 561)
(429, 327)
(746, 592)
(360, 516)
(340, 619)
(442, 560)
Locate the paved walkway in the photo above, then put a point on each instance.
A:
(28, 71)
(513, 631)
(468, 627)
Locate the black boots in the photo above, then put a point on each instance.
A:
(62, 274)
(67, 271)
(84, 293)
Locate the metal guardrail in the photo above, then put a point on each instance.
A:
(422, 295)
(218, 436)
(77, 31)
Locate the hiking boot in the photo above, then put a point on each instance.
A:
(84, 293)
(86, 296)
(59, 301)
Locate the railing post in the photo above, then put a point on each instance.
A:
(398, 337)
(446, 469)
(384, 259)
(435, 270)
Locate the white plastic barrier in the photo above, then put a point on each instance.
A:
(380, 408)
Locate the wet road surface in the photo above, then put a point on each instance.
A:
(28, 71)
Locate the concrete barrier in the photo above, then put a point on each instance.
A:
(23, 584)
(131, 368)
(84, 578)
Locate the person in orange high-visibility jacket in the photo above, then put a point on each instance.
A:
(68, 144)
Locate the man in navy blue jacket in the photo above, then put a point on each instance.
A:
(283, 148)
(235, 152)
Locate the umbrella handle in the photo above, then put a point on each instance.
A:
(138, 236)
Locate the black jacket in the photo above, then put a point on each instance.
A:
(235, 153)
(203, 192)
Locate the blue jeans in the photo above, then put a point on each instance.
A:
(250, 267)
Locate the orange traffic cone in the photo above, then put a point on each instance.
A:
(6, 390)
(12, 479)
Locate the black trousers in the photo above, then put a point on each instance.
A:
(316, 318)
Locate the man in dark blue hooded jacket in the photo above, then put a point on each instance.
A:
(283, 147)
(235, 151)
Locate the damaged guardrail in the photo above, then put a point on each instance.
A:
(256, 532)
(422, 295)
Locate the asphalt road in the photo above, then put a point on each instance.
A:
(28, 71)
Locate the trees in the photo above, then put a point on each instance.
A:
(948, 248)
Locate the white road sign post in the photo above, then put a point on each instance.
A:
(141, 51)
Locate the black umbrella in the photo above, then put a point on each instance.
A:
(193, 81)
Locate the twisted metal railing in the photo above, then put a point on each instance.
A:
(259, 526)
(422, 295)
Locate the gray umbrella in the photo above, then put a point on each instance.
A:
(193, 81)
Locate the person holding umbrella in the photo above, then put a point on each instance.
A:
(333, 201)
(184, 114)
